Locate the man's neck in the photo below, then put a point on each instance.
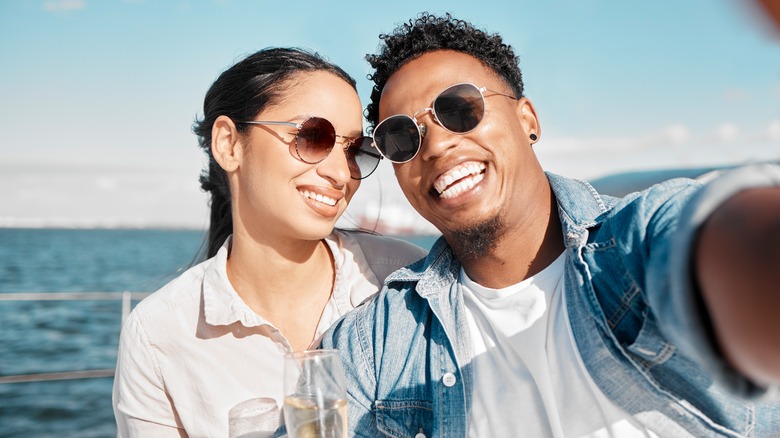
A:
(523, 250)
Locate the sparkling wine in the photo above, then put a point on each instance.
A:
(306, 418)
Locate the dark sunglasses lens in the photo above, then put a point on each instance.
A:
(315, 139)
(398, 138)
(362, 158)
(459, 108)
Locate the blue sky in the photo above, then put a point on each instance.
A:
(97, 98)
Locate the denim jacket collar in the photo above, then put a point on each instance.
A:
(579, 207)
(434, 274)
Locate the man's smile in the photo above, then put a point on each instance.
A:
(459, 179)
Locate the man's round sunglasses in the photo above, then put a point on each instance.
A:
(316, 137)
(458, 109)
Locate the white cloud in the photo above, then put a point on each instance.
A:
(727, 132)
(672, 135)
(773, 130)
(735, 95)
(106, 184)
(677, 134)
(90, 196)
(64, 5)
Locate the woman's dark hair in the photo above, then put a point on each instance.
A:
(241, 92)
(428, 33)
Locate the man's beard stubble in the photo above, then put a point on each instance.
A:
(476, 240)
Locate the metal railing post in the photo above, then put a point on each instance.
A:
(126, 303)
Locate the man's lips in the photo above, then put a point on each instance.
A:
(459, 179)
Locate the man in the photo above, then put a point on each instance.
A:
(547, 309)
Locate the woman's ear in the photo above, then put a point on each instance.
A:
(224, 143)
(526, 113)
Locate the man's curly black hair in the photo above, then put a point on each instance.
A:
(429, 33)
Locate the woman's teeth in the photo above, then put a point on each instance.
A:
(319, 198)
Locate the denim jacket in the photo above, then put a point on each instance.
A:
(635, 317)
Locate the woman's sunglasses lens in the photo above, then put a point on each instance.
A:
(398, 138)
(459, 108)
(315, 139)
(363, 159)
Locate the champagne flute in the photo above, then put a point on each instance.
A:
(253, 418)
(315, 403)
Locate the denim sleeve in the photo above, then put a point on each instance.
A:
(348, 335)
(679, 305)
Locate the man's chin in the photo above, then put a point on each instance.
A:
(475, 240)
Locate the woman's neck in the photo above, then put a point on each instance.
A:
(287, 284)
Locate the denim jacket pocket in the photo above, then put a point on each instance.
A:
(661, 359)
(691, 390)
(404, 418)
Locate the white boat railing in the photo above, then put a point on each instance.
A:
(127, 299)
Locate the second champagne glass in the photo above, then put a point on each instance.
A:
(315, 403)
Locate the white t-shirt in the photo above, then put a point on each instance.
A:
(194, 349)
(529, 379)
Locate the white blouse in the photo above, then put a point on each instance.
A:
(194, 349)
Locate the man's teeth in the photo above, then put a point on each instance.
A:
(462, 186)
(319, 197)
(467, 176)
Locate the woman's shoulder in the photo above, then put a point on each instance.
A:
(182, 292)
(380, 254)
(379, 248)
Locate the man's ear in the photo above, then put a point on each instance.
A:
(225, 143)
(526, 113)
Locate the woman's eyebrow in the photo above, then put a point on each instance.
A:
(354, 134)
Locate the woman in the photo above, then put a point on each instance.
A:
(283, 132)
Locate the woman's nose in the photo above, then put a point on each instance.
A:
(335, 166)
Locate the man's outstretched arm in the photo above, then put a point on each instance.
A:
(737, 266)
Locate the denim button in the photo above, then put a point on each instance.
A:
(420, 435)
(449, 379)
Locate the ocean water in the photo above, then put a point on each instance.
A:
(57, 336)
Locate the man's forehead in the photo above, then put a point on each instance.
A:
(440, 64)
(432, 72)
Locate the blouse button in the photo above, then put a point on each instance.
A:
(449, 379)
